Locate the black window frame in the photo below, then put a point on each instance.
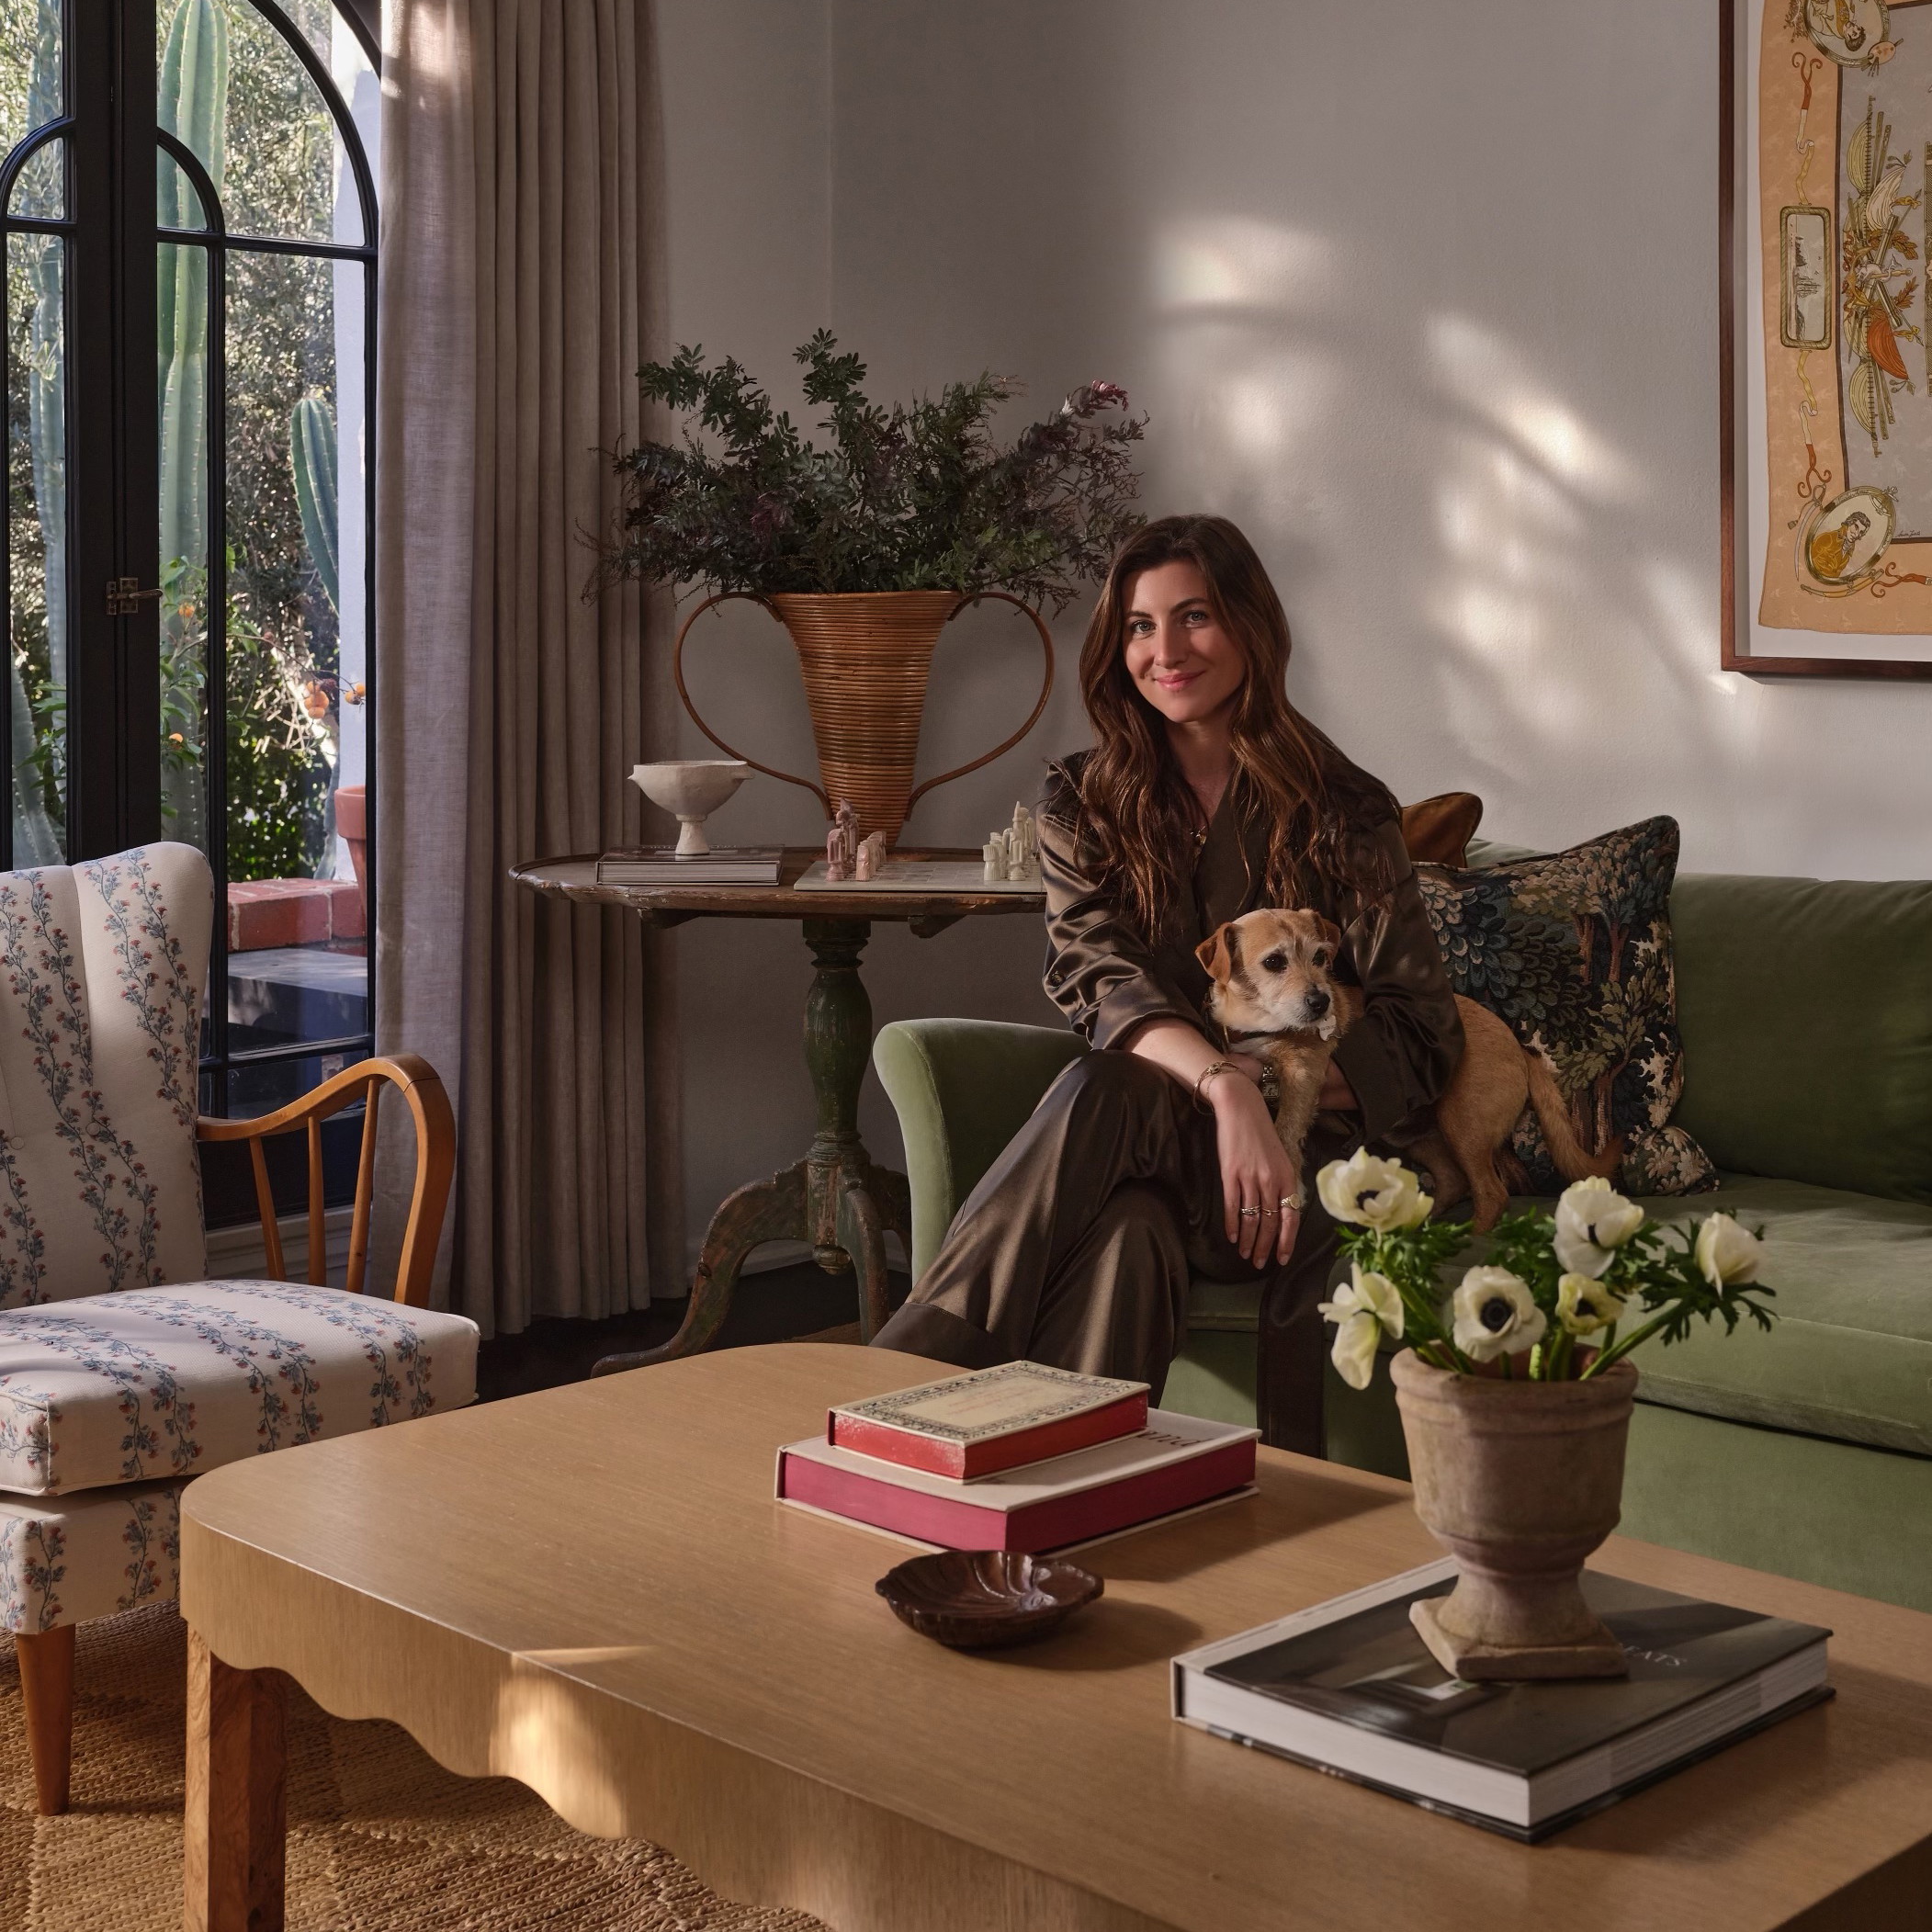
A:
(113, 238)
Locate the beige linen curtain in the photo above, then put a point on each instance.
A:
(518, 163)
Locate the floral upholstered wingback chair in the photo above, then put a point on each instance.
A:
(123, 1371)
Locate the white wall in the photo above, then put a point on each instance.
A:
(1425, 296)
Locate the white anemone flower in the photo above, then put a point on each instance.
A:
(1495, 1314)
(1584, 1306)
(1373, 1193)
(1356, 1341)
(1367, 1293)
(1592, 1221)
(1727, 1256)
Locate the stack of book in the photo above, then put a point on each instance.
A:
(1020, 1457)
(1348, 1688)
(661, 865)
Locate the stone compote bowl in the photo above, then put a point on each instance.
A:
(692, 789)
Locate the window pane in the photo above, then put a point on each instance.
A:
(40, 187)
(178, 201)
(262, 1085)
(37, 542)
(30, 78)
(296, 618)
(237, 94)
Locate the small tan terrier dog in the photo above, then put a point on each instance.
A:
(1273, 996)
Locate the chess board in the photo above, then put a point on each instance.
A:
(918, 875)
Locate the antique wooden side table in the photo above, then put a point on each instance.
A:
(837, 1198)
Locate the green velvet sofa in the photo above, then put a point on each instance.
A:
(1806, 1010)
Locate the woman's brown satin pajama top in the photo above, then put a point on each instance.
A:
(1076, 1247)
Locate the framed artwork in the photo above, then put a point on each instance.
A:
(1826, 199)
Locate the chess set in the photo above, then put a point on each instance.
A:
(1009, 861)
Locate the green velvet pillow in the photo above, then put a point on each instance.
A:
(1806, 1008)
(1572, 950)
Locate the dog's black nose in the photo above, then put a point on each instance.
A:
(1315, 1000)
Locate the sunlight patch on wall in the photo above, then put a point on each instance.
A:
(1226, 261)
(1486, 376)
(1253, 383)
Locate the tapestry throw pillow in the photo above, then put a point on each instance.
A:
(1437, 831)
(1572, 950)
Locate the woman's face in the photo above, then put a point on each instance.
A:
(1179, 657)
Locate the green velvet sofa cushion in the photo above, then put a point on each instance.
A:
(1805, 1008)
(1850, 1356)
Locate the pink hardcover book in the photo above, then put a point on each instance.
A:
(1174, 1464)
(971, 1426)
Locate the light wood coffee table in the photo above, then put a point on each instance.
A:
(593, 1591)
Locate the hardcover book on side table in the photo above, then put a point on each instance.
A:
(661, 866)
(1348, 1688)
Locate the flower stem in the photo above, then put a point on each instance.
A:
(1619, 1349)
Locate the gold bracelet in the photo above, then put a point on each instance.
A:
(1207, 1074)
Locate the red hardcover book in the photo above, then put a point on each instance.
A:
(1177, 1462)
(972, 1425)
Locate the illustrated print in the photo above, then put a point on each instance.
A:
(1844, 193)
(1854, 33)
(1879, 285)
(1848, 537)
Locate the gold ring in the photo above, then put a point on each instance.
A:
(1294, 1201)
(1250, 1213)
(1267, 1214)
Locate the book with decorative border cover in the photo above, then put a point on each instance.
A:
(973, 1425)
(1174, 1464)
(1348, 1688)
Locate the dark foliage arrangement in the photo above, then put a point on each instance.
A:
(914, 497)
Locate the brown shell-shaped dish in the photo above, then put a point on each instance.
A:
(975, 1599)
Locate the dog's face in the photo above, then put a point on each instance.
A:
(1270, 974)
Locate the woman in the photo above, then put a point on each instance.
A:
(1205, 795)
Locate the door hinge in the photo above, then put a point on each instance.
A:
(125, 596)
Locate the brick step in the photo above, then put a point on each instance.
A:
(293, 912)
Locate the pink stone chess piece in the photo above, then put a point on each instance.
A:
(871, 860)
(841, 845)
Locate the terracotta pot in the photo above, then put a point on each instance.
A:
(352, 821)
(866, 658)
(1520, 1480)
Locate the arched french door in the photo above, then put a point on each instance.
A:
(189, 202)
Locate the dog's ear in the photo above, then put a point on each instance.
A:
(1326, 933)
(1216, 954)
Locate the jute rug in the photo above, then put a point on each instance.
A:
(379, 1835)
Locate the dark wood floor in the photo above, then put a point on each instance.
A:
(778, 1305)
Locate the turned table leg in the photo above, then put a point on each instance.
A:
(835, 1198)
(236, 1823)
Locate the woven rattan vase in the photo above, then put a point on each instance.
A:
(865, 657)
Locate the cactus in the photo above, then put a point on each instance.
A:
(193, 107)
(36, 839)
(312, 455)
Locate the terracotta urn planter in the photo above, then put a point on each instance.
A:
(865, 657)
(1520, 1480)
(352, 821)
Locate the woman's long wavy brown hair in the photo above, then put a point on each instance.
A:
(1135, 804)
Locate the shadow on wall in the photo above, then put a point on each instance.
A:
(1494, 520)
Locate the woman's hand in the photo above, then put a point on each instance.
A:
(1256, 1175)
